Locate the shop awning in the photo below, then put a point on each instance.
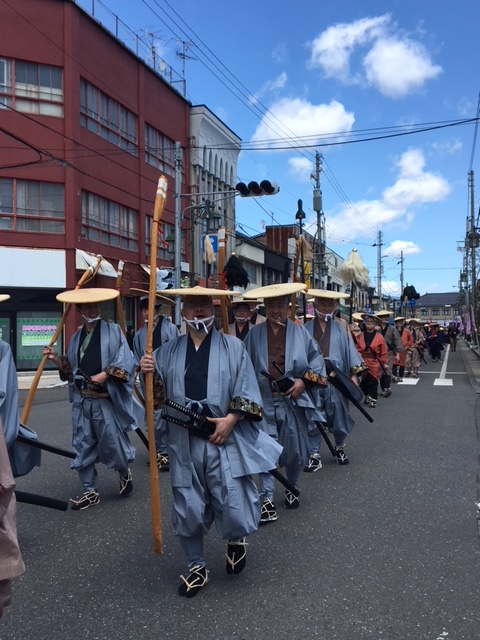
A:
(84, 259)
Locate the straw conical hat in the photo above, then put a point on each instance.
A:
(275, 290)
(399, 319)
(4, 297)
(142, 293)
(87, 296)
(383, 313)
(200, 291)
(357, 316)
(325, 293)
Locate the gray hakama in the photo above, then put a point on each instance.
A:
(284, 419)
(100, 425)
(213, 483)
(343, 354)
(23, 458)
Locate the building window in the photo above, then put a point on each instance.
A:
(164, 230)
(446, 311)
(31, 88)
(107, 118)
(435, 312)
(108, 222)
(159, 150)
(26, 205)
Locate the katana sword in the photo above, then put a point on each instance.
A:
(200, 426)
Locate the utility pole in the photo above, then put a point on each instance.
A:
(318, 208)
(401, 280)
(473, 244)
(379, 268)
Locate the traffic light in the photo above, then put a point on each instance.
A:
(255, 189)
(165, 279)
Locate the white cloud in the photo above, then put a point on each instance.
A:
(301, 168)
(271, 85)
(332, 49)
(413, 188)
(447, 147)
(299, 118)
(385, 58)
(397, 246)
(280, 53)
(396, 67)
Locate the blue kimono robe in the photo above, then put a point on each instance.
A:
(23, 458)
(231, 385)
(301, 355)
(117, 411)
(343, 354)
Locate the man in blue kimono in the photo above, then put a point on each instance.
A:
(281, 345)
(339, 350)
(99, 368)
(163, 331)
(210, 372)
(23, 458)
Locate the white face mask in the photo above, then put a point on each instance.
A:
(324, 316)
(91, 320)
(200, 323)
(241, 320)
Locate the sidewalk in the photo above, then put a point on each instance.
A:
(47, 380)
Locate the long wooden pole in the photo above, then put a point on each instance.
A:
(222, 249)
(121, 317)
(88, 275)
(293, 299)
(160, 200)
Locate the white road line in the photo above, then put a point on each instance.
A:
(442, 381)
(407, 381)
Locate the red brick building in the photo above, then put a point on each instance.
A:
(86, 129)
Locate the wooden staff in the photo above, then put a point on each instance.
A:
(293, 300)
(222, 248)
(160, 200)
(121, 318)
(88, 275)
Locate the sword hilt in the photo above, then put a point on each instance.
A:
(188, 412)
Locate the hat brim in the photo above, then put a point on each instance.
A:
(4, 297)
(87, 296)
(142, 293)
(357, 316)
(275, 290)
(201, 291)
(326, 293)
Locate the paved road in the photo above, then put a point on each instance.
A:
(386, 548)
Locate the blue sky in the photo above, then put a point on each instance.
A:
(296, 75)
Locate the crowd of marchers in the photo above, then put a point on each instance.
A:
(236, 408)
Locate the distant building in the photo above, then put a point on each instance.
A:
(441, 308)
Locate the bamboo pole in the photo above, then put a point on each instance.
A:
(160, 200)
(88, 275)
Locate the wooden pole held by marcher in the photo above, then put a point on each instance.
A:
(88, 275)
(222, 250)
(160, 200)
(121, 317)
(293, 299)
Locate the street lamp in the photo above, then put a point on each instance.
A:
(473, 239)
